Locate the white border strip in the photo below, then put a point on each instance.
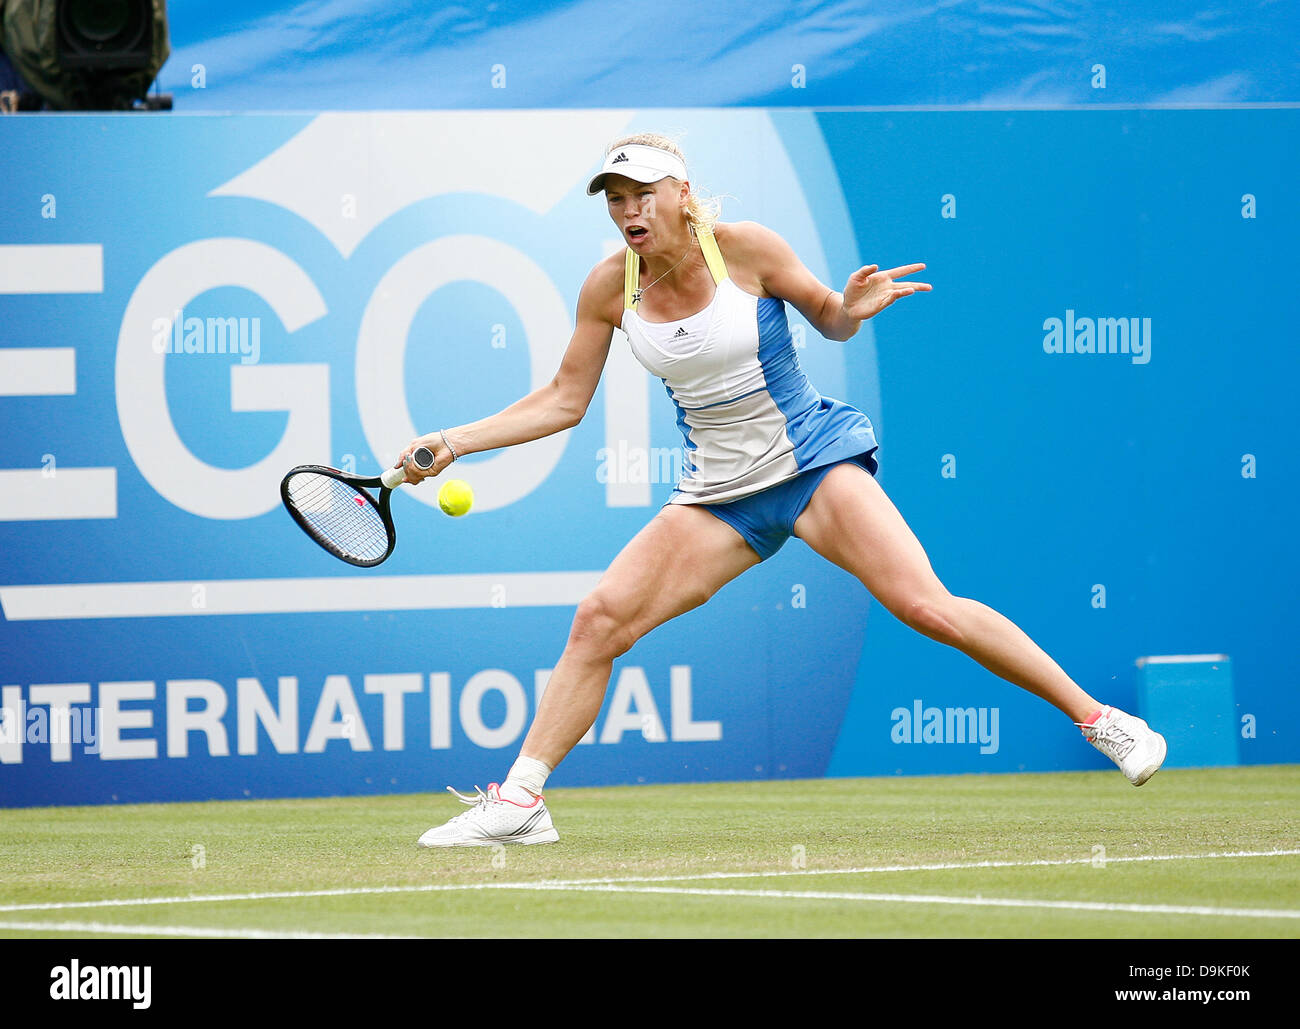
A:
(30, 494)
(1182, 659)
(295, 596)
(1188, 105)
(38, 371)
(617, 884)
(51, 268)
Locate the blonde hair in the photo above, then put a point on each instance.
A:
(701, 211)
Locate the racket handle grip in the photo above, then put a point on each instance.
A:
(422, 458)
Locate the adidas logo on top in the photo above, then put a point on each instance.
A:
(680, 333)
(621, 157)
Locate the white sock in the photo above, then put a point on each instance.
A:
(526, 780)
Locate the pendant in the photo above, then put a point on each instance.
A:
(636, 295)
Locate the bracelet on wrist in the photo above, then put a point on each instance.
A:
(450, 449)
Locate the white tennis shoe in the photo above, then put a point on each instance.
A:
(492, 819)
(1128, 741)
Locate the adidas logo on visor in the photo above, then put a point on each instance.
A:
(621, 157)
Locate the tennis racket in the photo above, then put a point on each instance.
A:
(340, 513)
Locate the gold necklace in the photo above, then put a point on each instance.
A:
(638, 293)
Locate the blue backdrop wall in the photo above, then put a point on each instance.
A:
(393, 272)
(360, 54)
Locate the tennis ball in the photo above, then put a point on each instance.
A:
(455, 498)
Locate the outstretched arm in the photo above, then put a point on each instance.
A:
(835, 315)
(560, 404)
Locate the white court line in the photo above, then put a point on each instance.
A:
(293, 596)
(930, 898)
(188, 930)
(937, 867)
(580, 884)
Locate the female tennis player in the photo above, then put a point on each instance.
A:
(703, 306)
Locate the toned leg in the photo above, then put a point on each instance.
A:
(677, 562)
(851, 522)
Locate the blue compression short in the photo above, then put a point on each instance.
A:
(766, 519)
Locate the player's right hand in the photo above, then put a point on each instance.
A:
(441, 458)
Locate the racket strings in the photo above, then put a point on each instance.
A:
(339, 516)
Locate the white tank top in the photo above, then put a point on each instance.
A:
(748, 414)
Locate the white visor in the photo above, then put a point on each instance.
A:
(640, 163)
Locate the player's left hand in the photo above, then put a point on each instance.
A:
(869, 290)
